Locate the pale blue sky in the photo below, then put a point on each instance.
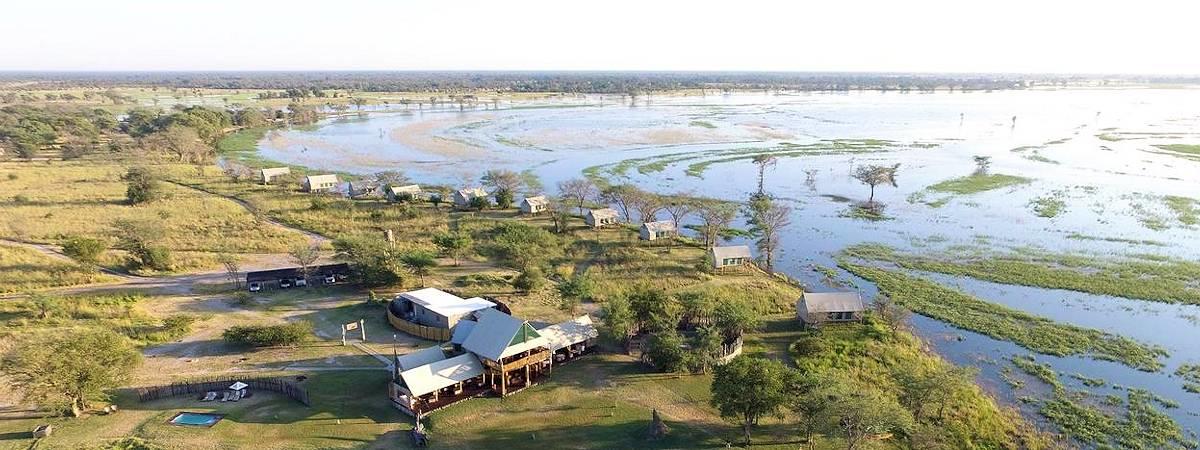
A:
(1152, 36)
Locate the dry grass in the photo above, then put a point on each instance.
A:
(25, 269)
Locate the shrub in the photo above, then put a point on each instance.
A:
(530, 280)
(269, 335)
(142, 185)
(84, 249)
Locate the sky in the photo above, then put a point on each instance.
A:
(1012, 36)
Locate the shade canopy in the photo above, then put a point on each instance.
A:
(238, 386)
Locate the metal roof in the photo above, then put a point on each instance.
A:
(428, 378)
(496, 336)
(733, 251)
(571, 332)
(814, 302)
(444, 303)
(461, 330)
(427, 355)
(294, 272)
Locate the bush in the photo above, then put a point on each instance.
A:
(142, 185)
(530, 280)
(269, 335)
(155, 258)
(666, 353)
(84, 249)
(243, 298)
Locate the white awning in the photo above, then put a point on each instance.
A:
(447, 372)
(238, 386)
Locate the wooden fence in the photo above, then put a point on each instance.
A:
(198, 387)
(418, 330)
(730, 351)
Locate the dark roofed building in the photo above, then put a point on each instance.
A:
(292, 276)
(817, 308)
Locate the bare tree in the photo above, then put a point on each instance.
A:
(715, 217)
(304, 256)
(647, 204)
(982, 163)
(578, 191)
(763, 162)
(560, 213)
(620, 196)
(873, 175)
(679, 206)
(233, 269)
(767, 218)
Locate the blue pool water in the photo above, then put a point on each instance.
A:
(196, 419)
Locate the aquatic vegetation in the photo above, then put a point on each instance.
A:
(1169, 281)
(1084, 237)
(1193, 149)
(1089, 381)
(873, 213)
(1033, 332)
(1049, 206)
(977, 183)
(1140, 425)
(1191, 377)
(702, 124)
(1187, 210)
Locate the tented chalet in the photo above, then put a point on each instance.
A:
(653, 231)
(363, 189)
(733, 256)
(571, 338)
(463, 197)
(493, 353)
(600, 218)
(817, 308)
(438, 383)
(318, 183)
(269, 173)
(435, 308)
(514, 355)
(534, 205)
(402, 193)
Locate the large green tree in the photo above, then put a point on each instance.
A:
(748, 389)
(73, 369)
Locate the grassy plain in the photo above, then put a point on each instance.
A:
(977, 183)
(24, 269)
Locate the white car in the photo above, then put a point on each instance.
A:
(285, 283)
(255, 287)
(301, 282)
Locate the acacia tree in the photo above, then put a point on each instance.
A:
(621, 196)
(767, 218)
(72, 369)
(453, 244)
(747, 389)
(419, 263)
(142, 185)
(864, 411)
(647, 204)
(679, 206)
(184, 143)
(578, 190)
(619, 321)
(812, 398)
(874, 175)
(304, 256)
(982, 163)
(559, 214)
(504, 184)
(763, 162)
(232, 269)
(715, 218)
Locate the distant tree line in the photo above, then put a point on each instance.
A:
(312, 84)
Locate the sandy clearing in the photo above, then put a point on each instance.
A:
(429, 136)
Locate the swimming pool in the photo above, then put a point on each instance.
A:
(193, 419)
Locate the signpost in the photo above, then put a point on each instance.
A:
(360, 326)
